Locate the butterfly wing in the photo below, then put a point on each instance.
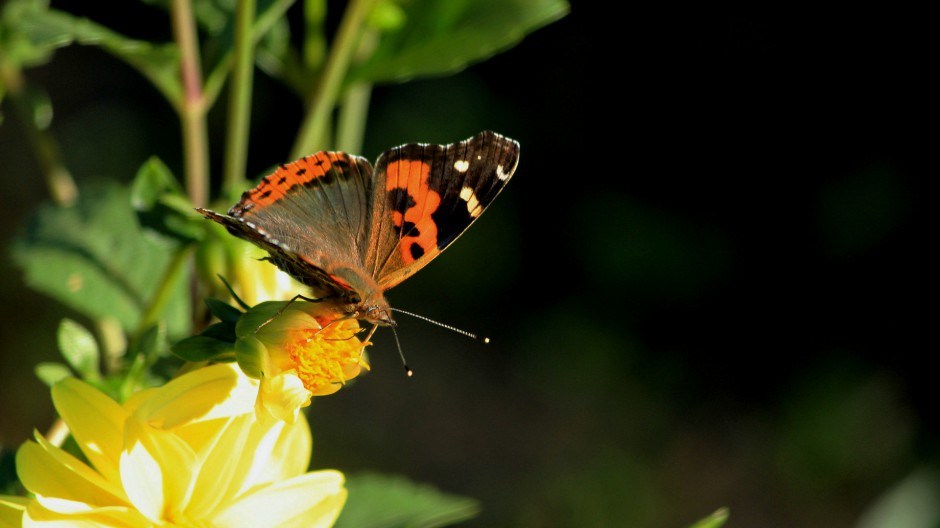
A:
(310, 215)
(425, 196)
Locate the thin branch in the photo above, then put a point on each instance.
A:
(192, 107)
(312, 134)
(239, 108)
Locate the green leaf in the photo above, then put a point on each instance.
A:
(386, 501)
(38, 31)
(152, 181)
(19, 48)
(79, 348)
(51, 373)
(224, 331)
(95, 258)
(201, 348)
(439, 37)
(161, 204)
(222, 310)
(715, 520)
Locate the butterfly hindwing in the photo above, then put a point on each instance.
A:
(425, 196)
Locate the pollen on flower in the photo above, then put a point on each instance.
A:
(326, 358)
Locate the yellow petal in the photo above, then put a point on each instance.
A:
(280, 451)
(11, 511)
(220, 476)
(208, 393)
(283, 395)
(310, 500)
(41, 517)
(49, 471)
(157, 469)
(290, 455)
(95, 420)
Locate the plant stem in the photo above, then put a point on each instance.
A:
(192, 108)
(351, 122)
(314, 51)
(239, 108)
(171, 275)
(312, 134)
(354, 108)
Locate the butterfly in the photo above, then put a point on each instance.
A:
(351, 232)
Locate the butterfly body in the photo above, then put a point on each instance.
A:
(351, 233)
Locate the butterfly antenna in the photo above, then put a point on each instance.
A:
(460, 331)
(401, 354)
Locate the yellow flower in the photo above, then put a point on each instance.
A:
(191, 453)
(297, 353)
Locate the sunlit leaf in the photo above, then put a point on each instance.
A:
(51, 373)
(438, 37)
(715, 520)
(385, 501)
(79, 348)
(161, 204)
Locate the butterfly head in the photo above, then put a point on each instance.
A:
(378, 314)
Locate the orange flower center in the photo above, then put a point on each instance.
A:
(326, 358)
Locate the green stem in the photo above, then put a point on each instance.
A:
(354, 108)
(58, 179)
(171, 275)
(312, 134)
(192, 108)
(314, 35)
(239, 108)
(351, 122)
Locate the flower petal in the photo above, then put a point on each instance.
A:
(39, 516)
(280, 451)
(48, 471)
(11, 511)
(220, 477)
(95, 420)
(211, 392)
(157, 469)
(310, 500)
(283, 395)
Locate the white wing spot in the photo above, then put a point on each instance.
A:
(503, 176)
(473, 205)
(461, 165)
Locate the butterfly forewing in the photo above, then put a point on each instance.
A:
(425, 196)
(309, 214)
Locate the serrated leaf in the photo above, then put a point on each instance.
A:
(201, 348)
(715, 520)
(439, 37)
(51, 373)
(79, 348)
(387, 501)
(95, 258)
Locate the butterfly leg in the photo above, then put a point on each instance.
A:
(281, 310)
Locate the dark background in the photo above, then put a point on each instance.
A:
(705, 286)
